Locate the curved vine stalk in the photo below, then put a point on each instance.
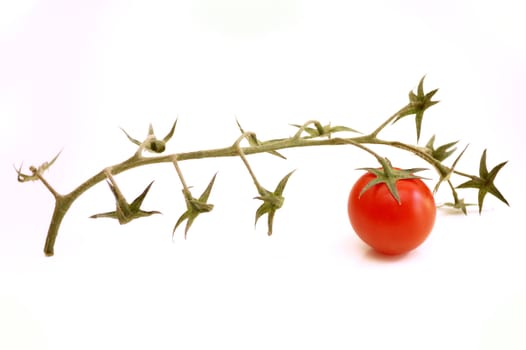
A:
(306, 136)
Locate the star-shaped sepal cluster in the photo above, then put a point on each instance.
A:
(320, 130)
(272, 201)
(459, 204)
(440, 153)
(152, 143)
(253, 141)
(125, 212)
(194, 207)
(485, 182)
(418, 103)
(389, 176)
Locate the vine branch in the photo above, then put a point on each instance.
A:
(306, 136)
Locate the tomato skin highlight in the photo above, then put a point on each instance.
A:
(387, 226)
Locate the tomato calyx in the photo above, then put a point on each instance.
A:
(458, 204)
(272, 201)
(389, 175)
(485, 182)
(195, 206)
(418, 103)
(125, 212)
(253, 141)
(152, 144)
(321, 130)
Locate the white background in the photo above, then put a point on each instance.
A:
(72, 73)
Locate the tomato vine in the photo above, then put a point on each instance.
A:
(312, 133)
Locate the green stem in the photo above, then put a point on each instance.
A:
(367, 149)
(261, 189)
(62, 205)
(186, 190)
(64, 202)
(388, 121)
(419, 152)
(109, 176)
(453, 191)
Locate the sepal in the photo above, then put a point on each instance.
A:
(442, 152)
(125, 212)
(418, 103)
(272, 201)
(485, 182)
(194, 207)
(253, 141)
(389, 176)
(322, 130)
(152, 143)
(36, 171)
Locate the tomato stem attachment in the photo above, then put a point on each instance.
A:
(248, 136)
(40, 177)
(194, 206)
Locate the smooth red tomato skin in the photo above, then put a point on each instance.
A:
(384, 224)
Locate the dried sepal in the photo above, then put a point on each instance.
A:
(170, 133)
(35, 171)
(253, 141)
(194, 207)
(272, 201)
(132, 140)
(125, 212)
(320, 130)
(152, 143)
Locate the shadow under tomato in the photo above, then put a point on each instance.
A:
(473, 209)
(353, 246)
(373, 255)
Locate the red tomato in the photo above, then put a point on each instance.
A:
(384, 224)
